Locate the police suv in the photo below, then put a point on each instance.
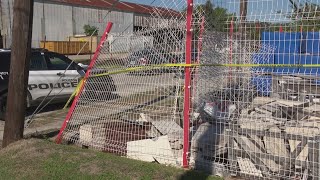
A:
(46, 73)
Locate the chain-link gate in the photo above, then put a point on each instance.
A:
(230, 87)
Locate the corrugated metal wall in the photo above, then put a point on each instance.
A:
(57, 22)
(6, 15)
(37, 24)
(149, 21)
(126, 43)
(123, 22)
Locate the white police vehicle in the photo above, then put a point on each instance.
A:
(47, 72)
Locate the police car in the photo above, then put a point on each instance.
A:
(46, 73)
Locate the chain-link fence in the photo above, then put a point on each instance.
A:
(230, 87)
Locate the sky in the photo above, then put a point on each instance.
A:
(261, 10)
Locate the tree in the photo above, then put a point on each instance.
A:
(243, 13)
(305, 17)
(19, 71)
(90, 30)
(217, 18)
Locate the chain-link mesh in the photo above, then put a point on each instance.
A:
(129, 107)
(253, 109)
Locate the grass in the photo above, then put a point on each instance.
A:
(42, 159)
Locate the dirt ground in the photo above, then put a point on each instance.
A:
(48, 121)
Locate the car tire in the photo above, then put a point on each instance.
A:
(3, 106)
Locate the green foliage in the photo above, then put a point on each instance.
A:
(90, 30)
(305, 17)
(217, 18)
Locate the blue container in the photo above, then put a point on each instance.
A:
(311, 43)
(263, 84)
(286, 48)
(286, 59)
(309, 59)
(287, 42)
(262, 58)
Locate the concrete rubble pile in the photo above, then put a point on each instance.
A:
(164, 144)
(277, 135)
(268, 137)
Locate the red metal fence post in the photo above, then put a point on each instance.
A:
(186, 110)
(74, 103)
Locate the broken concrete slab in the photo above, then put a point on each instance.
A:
(312, 108)
(275, 146)
(255, 123)
(303, 131)
(259, 101)
(291, 103)
(176, 144)
(257, 141)
(86, 134)
(168, 127)
(262, 111)
(144, 118)
(313, 118)
(251, 148)
(178, 154)
(139, 150)
(99, 140)
(153, 132)
(210, 140)
(149, 150)
(248, 168)
(165, 127)
(302, 156)
(271, 107)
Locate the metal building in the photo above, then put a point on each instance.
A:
(56, 20)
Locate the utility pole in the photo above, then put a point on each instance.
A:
(19, 71)
(243, 14)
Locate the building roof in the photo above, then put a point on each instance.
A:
(122, 6)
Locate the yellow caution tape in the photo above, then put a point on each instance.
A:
(142, 68)
(151, 67)
(74, 94)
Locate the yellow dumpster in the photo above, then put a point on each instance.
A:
(66, 47)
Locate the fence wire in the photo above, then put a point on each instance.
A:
(245, 120)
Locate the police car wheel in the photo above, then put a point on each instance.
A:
(3, 106)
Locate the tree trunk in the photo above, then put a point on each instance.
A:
(19, 71)
(243, 15)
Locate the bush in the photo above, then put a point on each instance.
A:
(90, 30)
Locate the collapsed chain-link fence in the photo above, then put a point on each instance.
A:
(229, 87)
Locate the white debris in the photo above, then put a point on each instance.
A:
(150, 150)
(86, 134)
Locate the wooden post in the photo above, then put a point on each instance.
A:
(243, 14)
(19, 71)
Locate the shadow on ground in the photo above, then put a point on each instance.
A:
(48, 135)
(48, 108)
(192, 175)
